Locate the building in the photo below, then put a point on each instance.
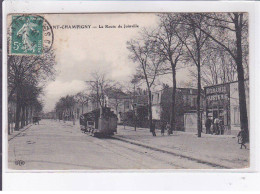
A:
(222, 101)
(185, 103)
(119, 103)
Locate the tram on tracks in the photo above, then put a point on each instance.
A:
(99, 122)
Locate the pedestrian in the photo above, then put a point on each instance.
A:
(153, 129)
(168, 128)
(241, 138)
(221, 127)
(208, 125)
(163, 128)
(216, 126)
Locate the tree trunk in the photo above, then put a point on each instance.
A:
(9, 122)
(150, 108)
(27, 115)
(173, 112)
(31, 114)
(240, 75)
(198, 100)
(17, 116)
(23, 117)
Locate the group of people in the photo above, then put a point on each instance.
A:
(164, 126)
(217, 126)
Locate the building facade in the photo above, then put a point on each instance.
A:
(222, 101)
(185, 102)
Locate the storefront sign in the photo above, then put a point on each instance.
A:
(217, 96)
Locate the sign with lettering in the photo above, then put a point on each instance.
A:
(217, 96)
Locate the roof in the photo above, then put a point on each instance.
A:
(186, 91)
(116, 94)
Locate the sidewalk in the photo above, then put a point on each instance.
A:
(17, 133)
(221, 150)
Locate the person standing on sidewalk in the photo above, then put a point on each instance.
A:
(168, 128)
(208, 125)
(163, 128)
(216, 126)
(153, 128)
(221, 127)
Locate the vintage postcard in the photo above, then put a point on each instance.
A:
(128, 91)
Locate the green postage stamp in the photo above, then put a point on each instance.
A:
(27, 35)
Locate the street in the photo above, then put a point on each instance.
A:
(55, 145)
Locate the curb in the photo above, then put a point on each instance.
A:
(9, 139)
(172, 153)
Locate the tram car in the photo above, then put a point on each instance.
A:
(96, 124)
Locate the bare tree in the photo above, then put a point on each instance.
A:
(98, 85)
(230, 31)
(217, 67)
(82, 98)
(27, 70)
(141, 52)
(194, 40)
(168, 48)
(65, 107)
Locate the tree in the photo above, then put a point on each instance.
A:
(82, 99)
(98, 85)
(230, 31)
(148, 68)
(168, 48)
(65, 107)
(194, 39)
(24, 72)
(218, 67)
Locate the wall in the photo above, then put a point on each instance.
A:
(234, 106)
(190, 122)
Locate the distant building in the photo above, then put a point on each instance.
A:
(50, 115)
(118, 101)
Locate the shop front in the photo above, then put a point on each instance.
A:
(218, 104)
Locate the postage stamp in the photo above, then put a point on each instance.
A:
(27, 34)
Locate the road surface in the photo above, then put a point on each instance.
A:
(55, 145)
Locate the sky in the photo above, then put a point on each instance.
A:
(79, 52)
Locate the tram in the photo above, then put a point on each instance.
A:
(98, 123)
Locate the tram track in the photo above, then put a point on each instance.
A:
(210, 164)
(162, 151)
(127, 153)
